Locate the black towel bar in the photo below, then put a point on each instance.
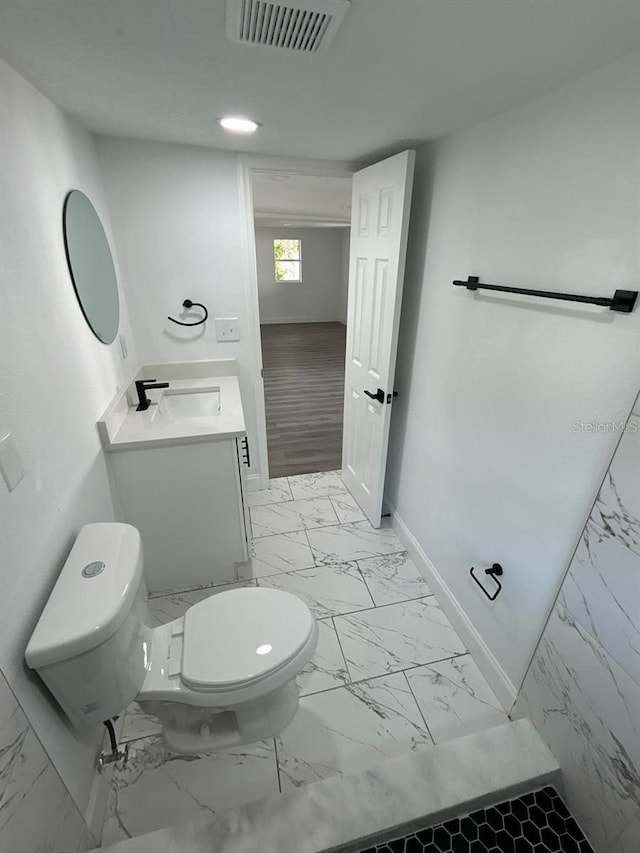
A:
(622, 300)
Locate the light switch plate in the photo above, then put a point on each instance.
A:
(10, 462)
(227, 329)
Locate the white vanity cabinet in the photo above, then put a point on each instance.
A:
(188, 502)
(177, 471)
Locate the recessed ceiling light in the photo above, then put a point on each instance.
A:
(238, 124)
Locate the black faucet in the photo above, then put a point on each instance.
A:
(142, 386)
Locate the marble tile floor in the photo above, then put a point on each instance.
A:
(390, 676)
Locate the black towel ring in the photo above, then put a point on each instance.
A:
(189, 304)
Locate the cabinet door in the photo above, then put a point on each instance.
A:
(186, 501)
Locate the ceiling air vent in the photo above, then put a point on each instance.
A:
(306, 26)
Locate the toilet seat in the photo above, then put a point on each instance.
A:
(242, 636)
(219, 684)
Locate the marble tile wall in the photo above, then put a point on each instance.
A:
(36, 810)
(582, 691)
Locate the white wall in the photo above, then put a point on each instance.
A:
(319, 296)
(178, 229)
(484, 462)
(57, 378)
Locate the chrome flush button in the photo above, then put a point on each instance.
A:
(93, 569)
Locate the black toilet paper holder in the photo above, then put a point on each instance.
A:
(494, 571)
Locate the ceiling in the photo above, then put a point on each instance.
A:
(398, 71)
(282, 199)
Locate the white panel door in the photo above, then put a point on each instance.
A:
(381, 199)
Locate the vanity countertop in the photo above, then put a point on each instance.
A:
(123, 428)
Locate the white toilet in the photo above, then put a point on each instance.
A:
(219, 676)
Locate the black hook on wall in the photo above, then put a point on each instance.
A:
(189, 304)
(496, 569)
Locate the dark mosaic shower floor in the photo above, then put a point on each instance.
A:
(535, 823)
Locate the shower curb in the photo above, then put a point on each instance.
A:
(427, 787)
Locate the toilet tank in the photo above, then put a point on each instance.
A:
(91, 646)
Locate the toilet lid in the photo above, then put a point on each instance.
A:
(239, 636)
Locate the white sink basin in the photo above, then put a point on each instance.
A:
(180, 404)
(194, 408)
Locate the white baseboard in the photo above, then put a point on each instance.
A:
(282, 320)
(497, 678)
(253, 482)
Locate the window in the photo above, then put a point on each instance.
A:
(287, 260)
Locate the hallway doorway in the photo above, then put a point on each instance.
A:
(303, 367)
(301, 229)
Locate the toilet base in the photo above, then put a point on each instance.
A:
(192, 730)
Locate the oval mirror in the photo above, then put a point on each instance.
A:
(91, 266)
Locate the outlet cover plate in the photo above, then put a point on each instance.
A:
(227, 329)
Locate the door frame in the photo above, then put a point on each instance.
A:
(247, 164)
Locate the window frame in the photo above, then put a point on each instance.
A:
(297, 260)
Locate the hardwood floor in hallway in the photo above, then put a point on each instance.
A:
(304, 390)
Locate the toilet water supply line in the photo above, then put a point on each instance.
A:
(106, 758)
